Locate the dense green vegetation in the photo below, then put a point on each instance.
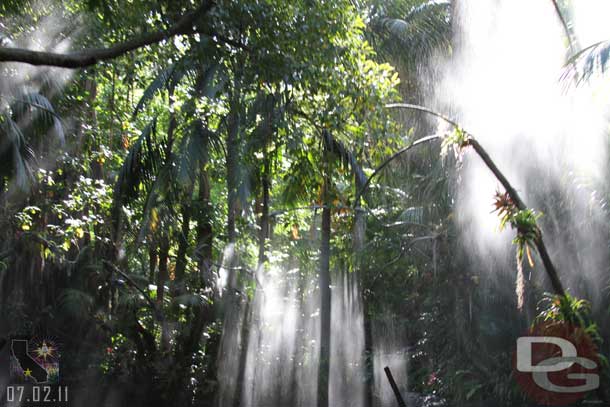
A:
(198, 145)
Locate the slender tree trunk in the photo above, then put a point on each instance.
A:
(171, 127)
(455, 23)
(164, 244)
(232, 338)
(369, 362)
(231, 300)
(2, 193)
(111, 106)
(264, 223)
(205, 237)
(325, 300)
(152, 262)
(162, 277)
(243, 354)
(359, 240)
(199, 315)
(247, 317)
(204, 227)
(117, 213)
(97, 167)
(183, 242)
(233, 158)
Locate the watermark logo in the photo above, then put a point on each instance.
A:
(556, 364)
(34, 361)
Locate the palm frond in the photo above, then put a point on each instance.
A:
(130, 301)
(159, 200)
(42, 111)
(587, 62)
(303, 171)
(167, 78)
(211, 81)
(139, 166)
(75, 303)
(195, 149)
(193, 300)
(424, 29)
(345, 156)
(15, 153)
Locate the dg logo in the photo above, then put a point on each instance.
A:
(556, 364)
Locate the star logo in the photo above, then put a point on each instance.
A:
(45, 351)
(34, 360)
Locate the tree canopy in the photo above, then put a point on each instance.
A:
(174, 175)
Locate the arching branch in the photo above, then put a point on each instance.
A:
(390, 159)
(482, 153)
(90, 57)
(132, 283)
(564, 24)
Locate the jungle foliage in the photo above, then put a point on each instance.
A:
(242, 140)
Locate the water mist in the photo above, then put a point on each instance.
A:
(504, 84)
(283, 333)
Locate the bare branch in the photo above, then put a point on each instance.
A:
(564, 24)
(90, 57)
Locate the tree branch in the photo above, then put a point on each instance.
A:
(471, 141)
(564, 24)
(542, 251)
(496, 172)
(136, 286)
(390, 159)
(90, 57)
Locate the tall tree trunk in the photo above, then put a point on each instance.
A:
(455, 23)
(247, 316)
(162, 278)
(116, 223)
(199, 315)
(204, 228)
(233, 299)
(205, 237)
(164, 243)
(243, 353)
(171, 127)
(183, 242)
(3, 189)
(359, 240)
(369, 362)
(325, 303)
(264, 223)
(152, 262)
(233, 157)
(231, 339)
